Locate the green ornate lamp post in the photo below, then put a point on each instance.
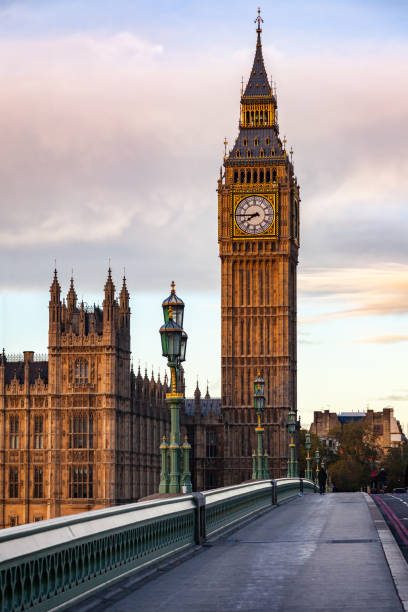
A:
(259, 404)
(292, 463)
(174, 344)
(317, 457)
(308, 474)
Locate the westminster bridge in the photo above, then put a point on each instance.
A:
(263, 545)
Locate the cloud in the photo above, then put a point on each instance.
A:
(360, 291)
(111, 146)
(391, 339)
(393, 398)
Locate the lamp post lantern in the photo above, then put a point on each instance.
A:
(292, 463)
(308, 445)
(174, 344)
(261, 462)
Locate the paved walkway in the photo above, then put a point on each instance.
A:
(314, 553)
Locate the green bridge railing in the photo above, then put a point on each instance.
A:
(52, 564)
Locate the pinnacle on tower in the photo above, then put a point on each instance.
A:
(71, 295)
(55, 289)
(109, 289)
(124, 296)
(197, 392)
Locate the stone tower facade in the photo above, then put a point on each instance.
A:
(258, 235)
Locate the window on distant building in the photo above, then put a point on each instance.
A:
(81, 481)
(38, 482)
(13, 482)
(211, 444)
(13, 429)
(38, 431)
(81, 431)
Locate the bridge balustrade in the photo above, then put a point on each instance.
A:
(51, 564)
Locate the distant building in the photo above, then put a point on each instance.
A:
(384, 425)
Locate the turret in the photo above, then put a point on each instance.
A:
(71, 297)
(124, 310)
(109, 303)
(55, 306)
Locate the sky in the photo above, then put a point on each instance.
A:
(112, 120)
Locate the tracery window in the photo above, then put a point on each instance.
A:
(81, 481)
(81, 371)
(38, 431)
(13, 482)
(81, 431)
(38, 482)
(13, 431)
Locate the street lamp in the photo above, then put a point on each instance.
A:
(292, 463)
(308, 475)
(317, 457)
(174, 345)
(261, 465)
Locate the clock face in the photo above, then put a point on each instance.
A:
(254, 215)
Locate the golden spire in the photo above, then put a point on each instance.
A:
(173, 287)
(170, 313)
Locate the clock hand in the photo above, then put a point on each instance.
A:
(249, 215)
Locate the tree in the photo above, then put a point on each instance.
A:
(395, 464)
(358, 452)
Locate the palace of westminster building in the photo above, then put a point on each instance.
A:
(80, 430)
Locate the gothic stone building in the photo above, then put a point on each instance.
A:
(80, 430)
(258, 235)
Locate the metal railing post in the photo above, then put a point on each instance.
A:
(199, 530)
(274, 493)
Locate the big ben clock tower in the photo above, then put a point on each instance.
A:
(258, 235)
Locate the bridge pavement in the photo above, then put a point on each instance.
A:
(314, 553)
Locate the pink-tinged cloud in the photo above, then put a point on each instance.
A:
(111, 144)
(390, 339)
(360, 291)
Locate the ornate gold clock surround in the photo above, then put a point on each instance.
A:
(271, 232)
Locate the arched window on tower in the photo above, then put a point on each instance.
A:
(261, 175)
(262, 153)
(247, 117)
(238, 154)
(256, 142)
(81, 371)
(255, 177)
(267, 141)
(235, 176)
(245, 142)
(268, 176)
(249, 153)
(242, 177)
(248, 176)
(273, 176)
